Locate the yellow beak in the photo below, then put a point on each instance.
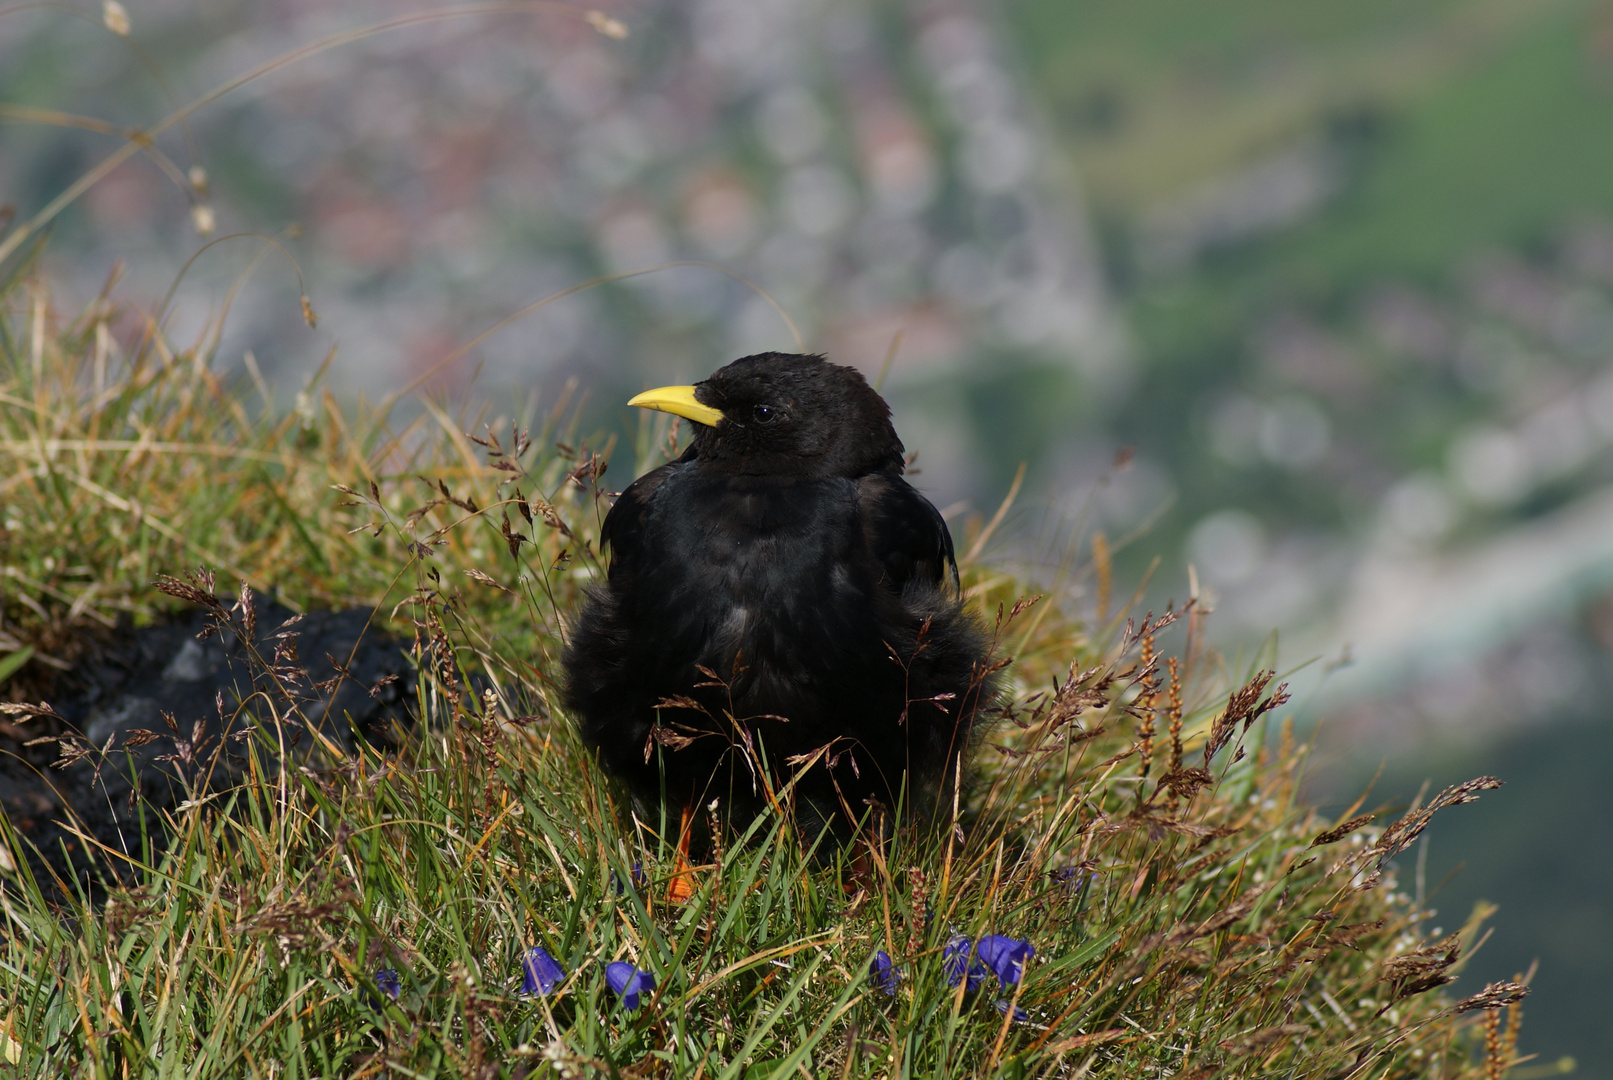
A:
(680, 401)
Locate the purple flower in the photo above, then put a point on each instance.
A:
(540, 972)
(997, 955)
(883, 972)
(1072, 879)
(387, 979)
(1005, 956)
(1020, 1015)
(639, 877)
(628, 982)
(959, 959)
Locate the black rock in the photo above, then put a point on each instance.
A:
(167, 714)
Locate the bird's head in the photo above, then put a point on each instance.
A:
(785, 414)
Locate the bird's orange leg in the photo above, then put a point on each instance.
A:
(681, 888)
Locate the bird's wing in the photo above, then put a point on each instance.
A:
(905, 532)
(623, 529)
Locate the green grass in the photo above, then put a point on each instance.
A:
(1203, 931)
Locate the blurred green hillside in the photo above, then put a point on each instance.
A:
(1493, 115)
(1449, 131)
(1423, 189)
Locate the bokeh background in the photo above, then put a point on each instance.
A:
(1317, 299)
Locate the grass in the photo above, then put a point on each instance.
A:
(1130, 818)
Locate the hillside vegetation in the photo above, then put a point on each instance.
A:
(371, 908)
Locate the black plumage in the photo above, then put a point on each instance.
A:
(778, 589)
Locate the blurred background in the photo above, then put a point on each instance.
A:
(1339, 276)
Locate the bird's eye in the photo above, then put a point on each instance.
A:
(763, 414)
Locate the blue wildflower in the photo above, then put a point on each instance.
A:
(1072, 879)
(1005, 956)
(639, 878)
(540, 972)
(960, 960)
(883, 972)
(1020, 1015)
(387, 979)
(628, 982)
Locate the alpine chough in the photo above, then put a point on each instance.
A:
(778, 597)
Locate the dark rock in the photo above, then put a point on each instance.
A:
(169, 714)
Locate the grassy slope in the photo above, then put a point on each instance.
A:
(1187, 928)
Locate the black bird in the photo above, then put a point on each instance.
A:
(777, 590)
